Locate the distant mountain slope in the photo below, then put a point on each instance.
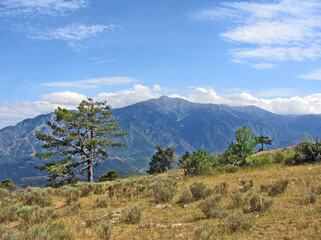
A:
(166, 121)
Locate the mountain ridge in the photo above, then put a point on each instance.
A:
(185, 125)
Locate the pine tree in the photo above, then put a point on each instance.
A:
(78, 140)
(161, 161)
(263, 140)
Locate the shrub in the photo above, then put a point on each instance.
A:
(237, 222)
(257, 203)
(72, 196)
(8, 213)
(73, 208)
(163, 191)
(199, 191)
(203, 234)
(109, 176)
(53, 231)
(7, 184)
(308, 152)
(34, 214)
(133, 215)
(260, 159)
(211, 208)
(221, 189)
(185, 198)
(276, 188)
(238, 200)
(310, 198)
(105, 230)
(36, 197)
(246, 185)
(102, 202)
(197, 163)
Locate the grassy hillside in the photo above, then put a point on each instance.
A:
(147, 207)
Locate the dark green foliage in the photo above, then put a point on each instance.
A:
(164, 191)
(276, 188)
(7, 184)
(77, 141)
(161, 160)
(133, 215)
(199, 191)
(109, 176)
(263, 140)
(197, 163)
(244, 146)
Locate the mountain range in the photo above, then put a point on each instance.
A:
(165, 121)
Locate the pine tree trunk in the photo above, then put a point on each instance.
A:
(90, 171)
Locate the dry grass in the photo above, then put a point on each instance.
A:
(286, 218)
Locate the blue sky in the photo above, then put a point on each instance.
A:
(56, 52)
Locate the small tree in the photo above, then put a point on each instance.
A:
(78, 140)
(161, 161)
(244, 146)
(7, 184)
(263, 140)
(183, 159)
(197, 163)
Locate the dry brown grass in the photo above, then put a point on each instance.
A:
(287, 218)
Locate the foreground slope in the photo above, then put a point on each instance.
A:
(167, 121)
(289, 216)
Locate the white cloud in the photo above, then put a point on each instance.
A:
(312, 75)
(284, 30)
(40, 7)
(91, 83)
(73, 32)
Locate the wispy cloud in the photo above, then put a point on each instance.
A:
(73, 32)
(40, 7)
(285, 30)
(312, 75)
(91, 83)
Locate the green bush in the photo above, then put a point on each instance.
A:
(133, 215)
(199, 191)
(105, 230)
(308, 152)
(197, 163)
(109, 176)
(260, 159)
(163, 191)
(237, 222)
(7, 184)
(185, 198)
(211, 208)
